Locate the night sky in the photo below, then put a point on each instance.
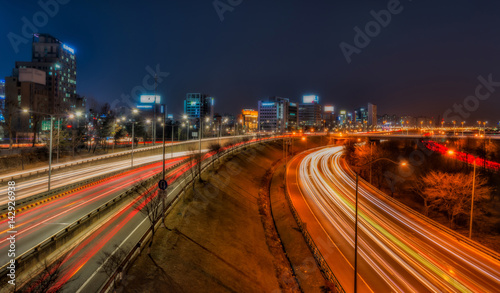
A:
(426, 59)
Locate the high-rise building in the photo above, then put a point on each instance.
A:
(361, 115)
(250, 119)
(293, 117)
(26, 91)
(329, 115)
(58, 61)
(273, 114)
(310, 112)
(372, 115)
(198, 106)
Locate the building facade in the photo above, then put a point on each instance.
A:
(372, 115)
(58, 61)
(250, 119)
(23, 92)
(198, 106)
(273, 114)
(293, 117)
(310, 112)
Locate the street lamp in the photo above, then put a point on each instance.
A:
(50, 139)
(134, 111)
(187, 120)
(356, 217)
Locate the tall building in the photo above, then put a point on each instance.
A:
(273, 114)
(310, 112)
(293, 117)
(361, 115)
(58, 61)
(329, 116)
(199, 105)
(27, 90)
(250, 119)
(372, 115)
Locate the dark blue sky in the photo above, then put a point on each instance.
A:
(426, 60)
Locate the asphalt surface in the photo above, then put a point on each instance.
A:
(398, 251)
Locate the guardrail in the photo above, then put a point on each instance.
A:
(427, 220)
(325, 268)
(136, 250)
(56, 241)
(104, 157)
(67, 189)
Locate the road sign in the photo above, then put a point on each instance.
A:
(162, 184)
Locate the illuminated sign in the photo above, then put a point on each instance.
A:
(342, 112)
(193, 103)
(268, 104)
(71, 50)
(329, 109)
(150, 99)
(170, 116)
(140, 106)
(311, 99)
(293, 104)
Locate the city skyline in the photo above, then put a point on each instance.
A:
(384, 73)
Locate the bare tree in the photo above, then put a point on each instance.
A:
(48, 280)
(452, 193)
(111, 263)
(215, 149)
(151, 204)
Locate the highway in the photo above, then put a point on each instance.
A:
(399, 251)
(39, 223)
(30, 187)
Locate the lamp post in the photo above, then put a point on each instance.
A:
(50, 139)
(356, 218)
(187, 120)
(163, 147)
(463, 128)
(135, 111)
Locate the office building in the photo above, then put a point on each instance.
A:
(293, 117)
(372, 115)
(198, 105)
(58, 61)
(361, 115)
(250, 119)
(27, 90)
(273, 114)
(329, 116)
(310, 112)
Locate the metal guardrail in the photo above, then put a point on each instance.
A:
(104, 157)
(49, 245)
(429, 221)
(136, 250)
(66, 189)
(325, 268)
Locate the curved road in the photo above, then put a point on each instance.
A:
(398, 251)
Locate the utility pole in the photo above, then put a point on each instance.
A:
(164, 121)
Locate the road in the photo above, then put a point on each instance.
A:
(64, 177)
(35, 225)
(399, 251)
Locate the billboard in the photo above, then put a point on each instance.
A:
(150, 99)
(32, 75)
(329, 109)
(310, 99)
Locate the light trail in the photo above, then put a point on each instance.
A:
(397, 247)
